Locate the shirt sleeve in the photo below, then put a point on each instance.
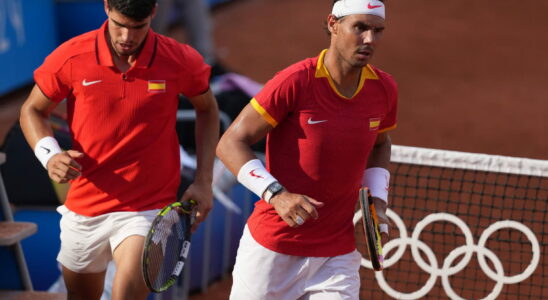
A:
(390, 121)
(278, 97)
(195, 79)
(53, 76)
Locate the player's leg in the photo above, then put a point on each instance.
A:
(83, 286)
(84, 254)
(128, 242)
(128, 281)
(335, 279)
(260, 273)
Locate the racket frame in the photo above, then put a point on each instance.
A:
(371, 229)
(186, 208)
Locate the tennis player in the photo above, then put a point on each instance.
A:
(326, 120)
(121, 83)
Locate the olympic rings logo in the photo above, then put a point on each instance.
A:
(446, 270)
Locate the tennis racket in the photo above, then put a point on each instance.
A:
(371, 229)
(167, 245)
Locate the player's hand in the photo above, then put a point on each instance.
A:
(202, 193)
(380, 209)
(295, 209)
(63, 167)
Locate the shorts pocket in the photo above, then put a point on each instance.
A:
(63, 210)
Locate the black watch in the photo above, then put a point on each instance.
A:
(272, 190)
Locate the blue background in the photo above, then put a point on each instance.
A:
(20, 60)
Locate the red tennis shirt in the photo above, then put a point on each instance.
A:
(319, 147)
(124, 123)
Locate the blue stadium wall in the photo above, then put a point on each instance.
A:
(28, 33)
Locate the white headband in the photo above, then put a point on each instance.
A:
(363, 7)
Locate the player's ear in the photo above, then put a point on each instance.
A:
(332, 23)
(154, 11)
(107, 8)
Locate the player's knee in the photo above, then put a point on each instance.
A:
(85, 286)
(79, 295)
(84, 291)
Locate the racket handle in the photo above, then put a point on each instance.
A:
(187, 206)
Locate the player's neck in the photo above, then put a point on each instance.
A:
(123, 62)
(345, 76)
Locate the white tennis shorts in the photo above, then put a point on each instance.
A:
(263, 274)
(87, 243)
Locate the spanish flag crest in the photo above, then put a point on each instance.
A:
(374, 124)
(157, 86)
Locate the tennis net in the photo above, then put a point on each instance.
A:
(464, 226)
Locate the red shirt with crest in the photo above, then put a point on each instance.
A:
(319, 147)
(124, 123)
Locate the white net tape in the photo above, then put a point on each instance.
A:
(472, 161)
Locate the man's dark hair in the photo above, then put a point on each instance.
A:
(137, 10)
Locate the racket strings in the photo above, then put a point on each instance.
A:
(167, 243)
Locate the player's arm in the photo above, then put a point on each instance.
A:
(234, 148)
(207, 136)
(235, 152)
(61, 166)
(380, 154)
(377, 177)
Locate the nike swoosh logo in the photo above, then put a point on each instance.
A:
(311, 122)
(86, 83)
(47, 150)
(372, 6)
(252, 173)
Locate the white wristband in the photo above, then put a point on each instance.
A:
(377, 180)
(255, 177)
(383, 228)
(45, 149)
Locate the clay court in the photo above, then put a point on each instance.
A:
(471, 74)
